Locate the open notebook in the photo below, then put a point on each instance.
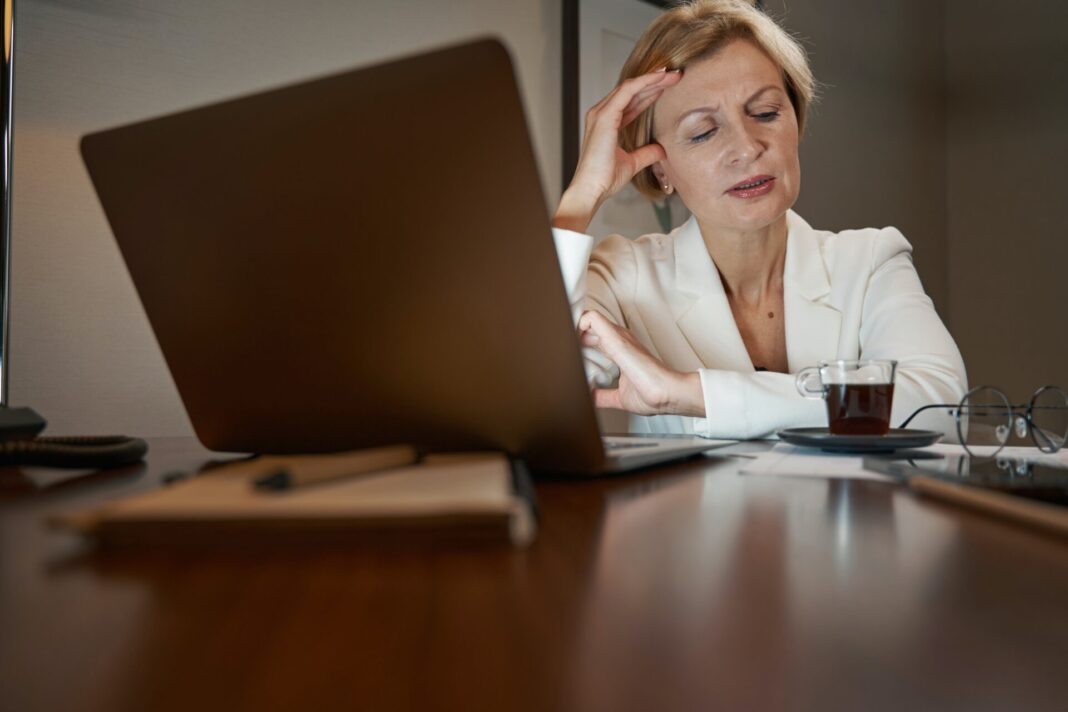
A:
(452, 496)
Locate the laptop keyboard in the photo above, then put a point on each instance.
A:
(615, 445)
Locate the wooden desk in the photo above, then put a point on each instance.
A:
(689, 588)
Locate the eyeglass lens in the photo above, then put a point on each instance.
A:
(984, 421)
(1048, 411)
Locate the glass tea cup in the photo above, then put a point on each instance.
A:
(859, 394)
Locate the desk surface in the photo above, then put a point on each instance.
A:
(691, 587)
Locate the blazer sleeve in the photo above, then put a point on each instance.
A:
(898, 321)
(591, 282)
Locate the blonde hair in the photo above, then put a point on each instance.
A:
(695, 30)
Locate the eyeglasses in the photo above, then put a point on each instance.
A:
(985, 419)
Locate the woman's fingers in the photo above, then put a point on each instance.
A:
(642, 386)
(647, 155)
(627, 85)
(613, 106)
(640, 103)
(643, 94)
(591, 319)
(628, 88)
(607, 398)
(644, 99)
(594, 324)
(598, 332)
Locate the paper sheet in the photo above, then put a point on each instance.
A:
(794, 461)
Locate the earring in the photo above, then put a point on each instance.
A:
(667, 189)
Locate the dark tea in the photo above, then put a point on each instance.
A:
(859, 408)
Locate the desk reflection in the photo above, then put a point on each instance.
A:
(714, 585)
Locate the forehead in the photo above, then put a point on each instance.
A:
(728, 77)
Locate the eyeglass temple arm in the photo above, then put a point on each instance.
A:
(960, 406)
(926, 407)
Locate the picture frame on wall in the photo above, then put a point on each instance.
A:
(7, 116)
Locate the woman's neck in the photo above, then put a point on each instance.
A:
(751, 264)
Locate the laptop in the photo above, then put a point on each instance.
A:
(359, 260)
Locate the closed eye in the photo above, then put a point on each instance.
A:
(703, 137)
(766, 116)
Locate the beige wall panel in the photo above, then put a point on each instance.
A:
(1008, 182)
(874, 151)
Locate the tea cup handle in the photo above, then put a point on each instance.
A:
(805, 378)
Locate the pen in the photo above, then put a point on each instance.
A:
(1048, 516)
(298, 471)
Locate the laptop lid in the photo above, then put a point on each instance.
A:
(356, 260)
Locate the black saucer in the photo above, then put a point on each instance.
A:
(896, 439)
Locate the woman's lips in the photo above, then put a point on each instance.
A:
(753, 187)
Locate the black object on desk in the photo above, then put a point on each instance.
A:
(824, 439)
(20, 444)
(20, 423)
(1034, 493)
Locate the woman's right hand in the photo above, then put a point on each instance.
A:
(603, 167)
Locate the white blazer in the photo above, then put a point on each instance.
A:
(847, 295)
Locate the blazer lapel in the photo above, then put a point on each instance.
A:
(701, 310)
(704, 316)
(812, 324)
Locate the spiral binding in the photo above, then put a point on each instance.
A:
(99, 451)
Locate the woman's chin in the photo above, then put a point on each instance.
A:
(750, 218)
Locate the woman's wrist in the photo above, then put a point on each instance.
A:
(687, 395)
(576, 209)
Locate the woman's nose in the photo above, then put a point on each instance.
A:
(744, 147)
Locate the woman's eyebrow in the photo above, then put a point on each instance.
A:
(762, 90)
(691, 112)
(711, 109)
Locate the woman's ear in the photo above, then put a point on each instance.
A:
(661, 178)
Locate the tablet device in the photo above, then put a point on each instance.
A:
(1042, 481)
(1028, 491)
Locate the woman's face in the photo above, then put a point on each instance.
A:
(730, 134)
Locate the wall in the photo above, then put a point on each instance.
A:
(1007, 156)
(874, 149)
(82, 352)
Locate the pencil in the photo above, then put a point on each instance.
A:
(1050, 517)
(301, 470)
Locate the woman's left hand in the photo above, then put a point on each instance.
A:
(646, 386)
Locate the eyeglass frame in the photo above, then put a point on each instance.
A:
(1014, 417)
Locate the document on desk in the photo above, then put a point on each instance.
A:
(459, 495)
(787, 460)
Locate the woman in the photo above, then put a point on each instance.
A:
(705, 324)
